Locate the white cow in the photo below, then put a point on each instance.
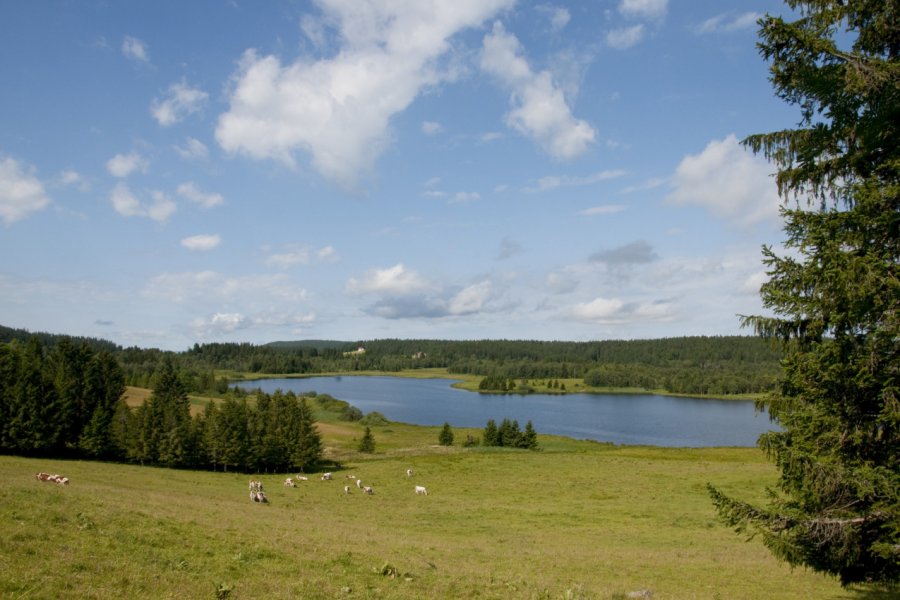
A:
(359, 483)
(346, 489)
(420, 490)
(258, 496)
(301, 478)
(368, 490)
(326, 477)
(288, 482)
(255, 486)
(409, 473)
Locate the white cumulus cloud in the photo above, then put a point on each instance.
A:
(338, 109)
(558, 16)
(127, 204)
(189, 191)
(392, 280)
(193, 149)
(644, 9)
(286, 260)
(729, 181)
(625, 37)
(135, 49)
(201, 243)
(180, 101)
(727, 23)
(431, 127)
(21, 192)
(219, 324)
(606, 209)
(123, 165)
(471, 299)
(551, 182)
(539, 107)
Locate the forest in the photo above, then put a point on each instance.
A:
(66, 400)
(688, 365)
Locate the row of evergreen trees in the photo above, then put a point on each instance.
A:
(509, 435)
(67, 401)
(58, 401)
(278, 434)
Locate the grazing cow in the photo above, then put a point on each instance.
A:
(288, 482)
(255, 486)
(350, 476)
(368, 490)
(359, 483)
(259, 496)
(409, 473)
(301, 478)
(420, 490)
(62, 480)
(346, 489)
(43, 476)
(326, 477)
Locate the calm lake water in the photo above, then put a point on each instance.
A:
(617, 418)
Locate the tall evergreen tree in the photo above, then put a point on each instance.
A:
(307, 450)
(445, 437)
(104, 385)
(835, 296)
(233, 434)
(367, 443)
(33, 404)
(491, 436)
(168, 411)
(529, 437)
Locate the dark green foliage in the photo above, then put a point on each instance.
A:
(59, 401)
(375, 419)
(67, 400)
(445, 437)
(836, 296)
(367, 443)
(491, 436)
(509, 435)
(714, 365)
(529, 437)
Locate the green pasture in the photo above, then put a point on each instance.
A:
(575, 520)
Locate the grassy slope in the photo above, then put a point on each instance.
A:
(577, 520)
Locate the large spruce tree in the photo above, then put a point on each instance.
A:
(834, 294)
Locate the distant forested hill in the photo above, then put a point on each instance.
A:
(692, 365)
(7, 334)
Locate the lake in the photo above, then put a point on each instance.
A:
(639, 419)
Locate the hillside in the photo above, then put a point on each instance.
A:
(577, 520)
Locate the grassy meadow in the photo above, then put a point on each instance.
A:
(575, 520)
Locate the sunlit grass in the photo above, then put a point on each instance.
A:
(575, 520)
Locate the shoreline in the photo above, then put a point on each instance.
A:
(470, 383)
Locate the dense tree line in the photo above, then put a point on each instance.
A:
(58, 400)
(698, 365)
(67, 400)
(508, 435)
(274, 433)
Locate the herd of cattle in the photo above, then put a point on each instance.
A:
(256, 487)
(53, 478)
(258, 495)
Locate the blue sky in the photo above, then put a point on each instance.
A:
(216, 171)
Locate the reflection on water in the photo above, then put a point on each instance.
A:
(617, 418)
